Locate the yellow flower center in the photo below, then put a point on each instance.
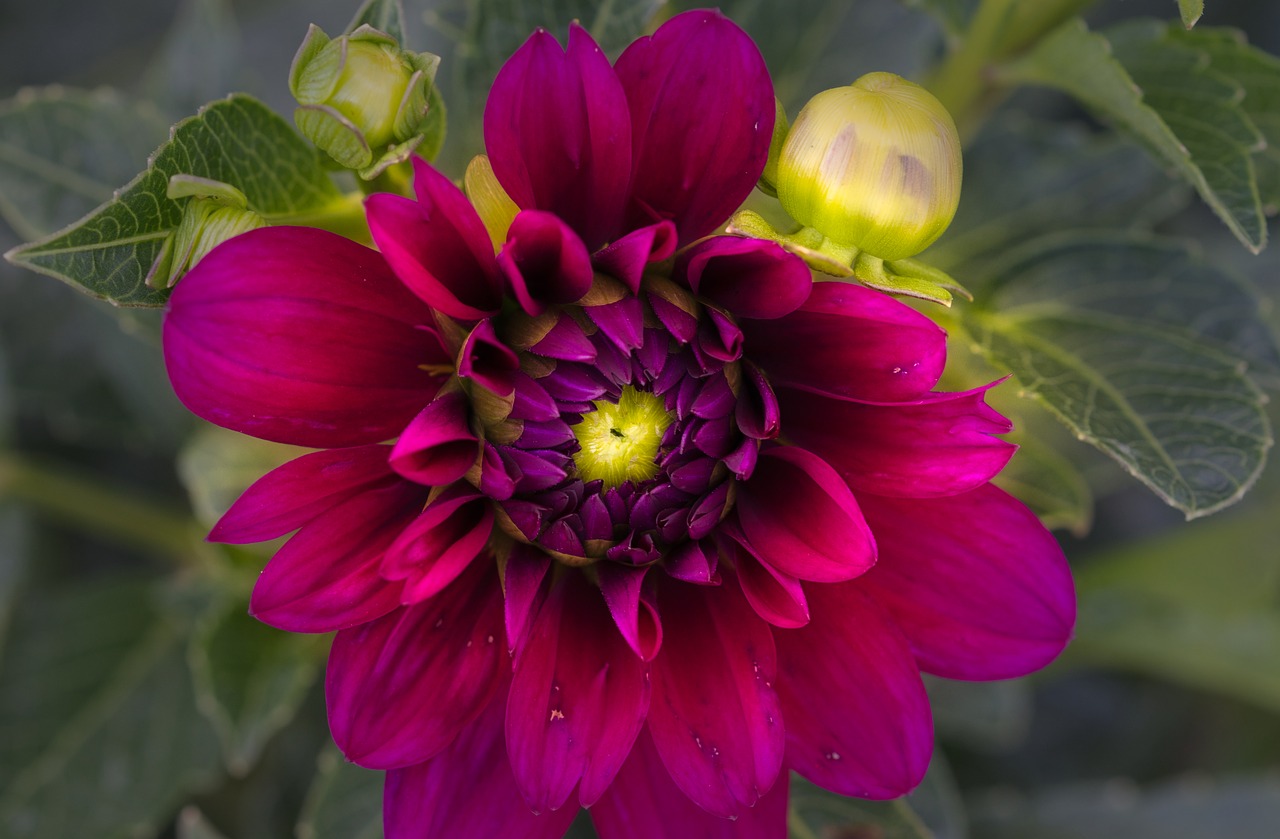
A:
(619, 441)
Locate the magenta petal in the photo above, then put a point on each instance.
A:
(940, 444)
(757, 414)
(631, 604)
(715, 718)
(544, 262)
(559, 134)
(702, 114)
(440, 543)
(299, 336)
(643, 803)
(800, 517)
(627, 257)
(486, 360)
(750, 277)
(399, 689)
(523, 591)
(694, 562)
(578, 699)
(438, 447)
(776, 597)
(851, 341)
(326, 576)
(291, 495)
(437, 245)
(977, 584)
(858, 720)
(467, 790)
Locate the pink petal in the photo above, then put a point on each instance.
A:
(291, 495)
(644, 803)
(559, 135)
(627, 257)
(467, 790)
(858, 720)
(487, 361)
(578, 699)
(979, 587)
(299, 336)
(440, 543)
(848, 340)
(715, 717)
(326, 576)
(523, 592)
(799, 516)
(702, 113)
(437, 245)
(750, 277)
(630, 602)
(399, 689)
(941, 444)
(775, 596)
(544, 262)
(439, 446)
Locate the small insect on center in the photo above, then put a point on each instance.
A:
(618, 442)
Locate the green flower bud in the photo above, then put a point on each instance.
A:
(213, 213)
(873, 166)
(362, 99)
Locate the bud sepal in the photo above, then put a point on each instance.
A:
(213, 213)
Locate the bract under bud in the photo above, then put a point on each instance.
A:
(874, 166)
(362, 99)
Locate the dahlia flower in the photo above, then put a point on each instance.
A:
(661, 519)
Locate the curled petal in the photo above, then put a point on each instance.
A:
(487, 361)
(437, 245)
(977, 584)
(631, 604)
(523, 591)
(326, 576)
(750, 277)
(776, 597)
(858, 720)
(299, 336)
(439, 446)
(799, 516)
(940, 444)
(848, 340)
(558, 133)
(467, 790)
(627, 257)
(291, 495)
(544, 262)
(578, 699)
(399, 689)
(702, 112)
(715, 717)
(440, 543)
(758, 414)
(643, 803)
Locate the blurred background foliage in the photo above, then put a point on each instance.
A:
(137, 699)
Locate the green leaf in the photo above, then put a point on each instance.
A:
(62, 152)
(238, 141)
(1258, 74)
(99, 733)
(15, 547)
(1199, 607)
(383, 15)
(1191, 10)
(1194, 808)
(954, 15)
(1165, 96)
(1141, 348)
(250, 680)
(344, 802)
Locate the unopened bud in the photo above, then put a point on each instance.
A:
(874, 166)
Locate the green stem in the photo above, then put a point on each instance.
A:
(961, 83)
(81, 502)
(344, 217)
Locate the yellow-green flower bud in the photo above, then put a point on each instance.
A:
(873, 166)
(362, 99)
(213, 213)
